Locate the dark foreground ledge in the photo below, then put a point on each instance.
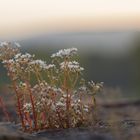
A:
(10, 131)
(119, 130)
(123, 103)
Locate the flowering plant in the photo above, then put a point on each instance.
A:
(56, 97)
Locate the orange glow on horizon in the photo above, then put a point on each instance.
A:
(28, 17)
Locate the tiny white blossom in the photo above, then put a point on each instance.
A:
(65, 53)
(53, 107)
(17, 45)
(95, 87)
(86, 109)
(27, 107)
(10, 61)
(17, 55)
(83, 88)
(60, 104)
(72, 66)
(2, 44)
(26, 56)
(50, 66)
(40, 63)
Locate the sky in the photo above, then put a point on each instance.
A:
(28, 17)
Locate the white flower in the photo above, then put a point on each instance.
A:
(91, 83)
(72, 66)
(40, 63)
(95, 87)
(65, 53)
(86, 109)
(25, 56)
(38, 106)
(17, 55)
(60, 104)
(27, 107)
(10, 61)
(83, 88)
(50, 66)
(53, 107)
(17, 44)
(2, 44)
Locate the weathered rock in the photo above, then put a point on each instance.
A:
(74, 134)
(10, 131)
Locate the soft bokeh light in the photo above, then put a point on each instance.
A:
(22, 18)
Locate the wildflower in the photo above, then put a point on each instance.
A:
(2, 44)
(83, 88)
(22, 85)
(72, 66)
(50, 66)
(56, 103)
(17, 45)
(10, 61)
(95, 87)
(65, 53)
(7, 51)
(17, 56)
(27, 107)
(41, 64)
(86, 108)
(60, 104)
(39, 106)
(20, 57)
(53, 107)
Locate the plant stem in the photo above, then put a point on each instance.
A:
(67, 107)
(75, 81)
(4, 109)
(17, 95)
(60, 120)
(32, 103)
(19, 105)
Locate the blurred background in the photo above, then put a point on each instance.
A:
(106, 33)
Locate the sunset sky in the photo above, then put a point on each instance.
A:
(28, 17)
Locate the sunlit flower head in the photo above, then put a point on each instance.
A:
(65, 53)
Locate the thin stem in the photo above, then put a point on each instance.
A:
(28, 119)
(19, 105)
(18, 99)
(67, 107)
(32, 103)
(4, 109)
(60, 120)
(49, 77)
(94, 101)
(37, 77)
(75, 81)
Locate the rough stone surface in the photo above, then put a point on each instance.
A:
(10, 131)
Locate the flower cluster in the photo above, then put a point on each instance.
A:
(27, 107)
(95, 87)
(65, 53)
(18, 66)
(7, 51)
(38, 64)
(72, 66)
(49, 95)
